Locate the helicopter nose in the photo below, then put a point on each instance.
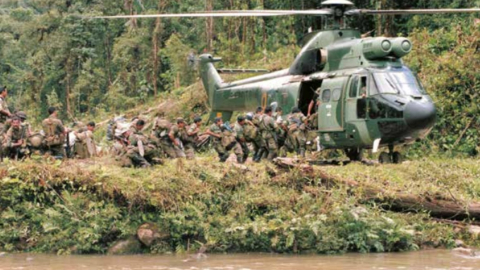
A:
(420, 115)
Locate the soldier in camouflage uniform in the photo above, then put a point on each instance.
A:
(141, 151)
(241, 140)
(268, 129)
(120, 147)
(258, 142)
(176, 134)
(4, 111)
(215, 131)
(160, 137)
(16, 140)
(84, 144)
(192, 137)
(54, 134)
(296, 131)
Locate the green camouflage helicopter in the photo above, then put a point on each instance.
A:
(364, 95)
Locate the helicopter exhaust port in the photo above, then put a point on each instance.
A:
(401, 47)
(376, 48)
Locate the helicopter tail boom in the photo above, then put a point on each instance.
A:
(210, 76)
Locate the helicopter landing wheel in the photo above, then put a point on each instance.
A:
(354, 154)
(384, 158)
(397, 158)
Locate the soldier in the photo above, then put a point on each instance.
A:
(121, 146)
(140, 151)
(268, 129)
(296, 131)
(215, 131)
(23, 117)
(192, 137)
(84, 144)
(177, 132)
(258, 140)
(54, 134)
(240, 136)
(4, 111)
(160, 137)
(16, 140)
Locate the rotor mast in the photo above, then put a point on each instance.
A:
(338, 8)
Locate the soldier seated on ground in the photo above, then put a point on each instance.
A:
(84, 143)
(140, 150)
(176, 133)
(191, 138)
(16, 140)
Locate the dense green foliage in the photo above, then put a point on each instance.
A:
(50, 55)
(85, 207)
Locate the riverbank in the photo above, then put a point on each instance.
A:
(84, 207)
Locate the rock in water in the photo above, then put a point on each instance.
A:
(128, 246)
(465, 251)
(148, 233)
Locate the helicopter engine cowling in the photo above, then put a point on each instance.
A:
(401, 47)
(376, 48)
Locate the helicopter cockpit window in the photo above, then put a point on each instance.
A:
(398, 83)
(353, 87)
(326, 95)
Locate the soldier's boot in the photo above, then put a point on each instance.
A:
(240, 159)
(302, 153)
(259, 155)
(224, 157)
(244, 158)
(140, 161)
(271, 155)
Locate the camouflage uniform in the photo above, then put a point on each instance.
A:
(84, 144)
(178, 133)
(120, 150)
(268, 128)
(242, 141)
(3, 117)
(54, 136)
(189, 141)
(160, 137)
(258, 142)
(217, 142)
(14, 135)
(296, 132)
(134, 151)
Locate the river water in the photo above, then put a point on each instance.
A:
(430, 259)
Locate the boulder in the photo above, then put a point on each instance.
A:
(148, 233)
(128, 246)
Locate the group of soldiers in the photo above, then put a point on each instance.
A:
(18, 140)
(265, 133)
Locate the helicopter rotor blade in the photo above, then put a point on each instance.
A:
(222, 13)
(411, 11)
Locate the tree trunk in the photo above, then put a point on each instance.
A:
(209, 25)
(436, 206)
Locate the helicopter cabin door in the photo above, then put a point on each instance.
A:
(331, 110)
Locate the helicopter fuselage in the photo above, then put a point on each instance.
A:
(365, 96)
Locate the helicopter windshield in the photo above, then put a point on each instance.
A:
(403, 82)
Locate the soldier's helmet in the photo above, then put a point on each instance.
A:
(249, 116)
(22, 115)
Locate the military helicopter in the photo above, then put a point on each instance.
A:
(366, 98)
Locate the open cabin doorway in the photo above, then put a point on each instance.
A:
(308, 93)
